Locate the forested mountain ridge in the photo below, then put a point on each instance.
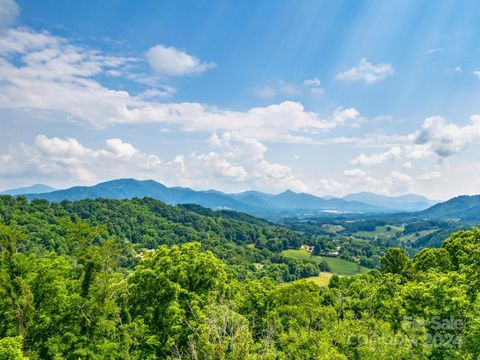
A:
(252, 202)
(77, 283)
(139, 224)
(465, 208)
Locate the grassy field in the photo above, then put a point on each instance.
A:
(380, 231)
(322, 280)
(332, 228)
(337, 266)
(414, 237)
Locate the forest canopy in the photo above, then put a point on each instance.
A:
(138, 279)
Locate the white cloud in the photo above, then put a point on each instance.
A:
(314, 86)
(458, 69)
(53, 75)
(392, 154)
(477, 73)
(161, 92)
(9, 11)
(169, 61)
(343, 116)
(311, 82)
(236, 164)
(219, 166)
(288, 90)
(437, 137)
(393, 183)
(121, 149)
(399, 182)
(446, 139)
(366, 72)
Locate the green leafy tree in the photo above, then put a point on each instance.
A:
(395, 261)
(169, 292)
(435, 259)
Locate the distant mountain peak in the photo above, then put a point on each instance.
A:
(288, 191)
(33, 189)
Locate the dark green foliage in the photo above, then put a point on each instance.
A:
(395, 261)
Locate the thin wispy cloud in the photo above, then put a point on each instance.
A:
(366, 72)
(9, 10)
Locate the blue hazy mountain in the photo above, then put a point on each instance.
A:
(409, 202)
(252, 202)
(34, 189)
(131, 188)
(465, 208)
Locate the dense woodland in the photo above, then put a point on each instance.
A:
(139, 279)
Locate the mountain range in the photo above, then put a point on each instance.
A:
(409, 202)
(252, 202)
(34, 189)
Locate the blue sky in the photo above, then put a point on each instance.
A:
(328, 97)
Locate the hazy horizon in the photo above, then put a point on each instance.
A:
(200, 189)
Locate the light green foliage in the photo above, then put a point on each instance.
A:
(435, 259)
(11, 348)
(169, 292)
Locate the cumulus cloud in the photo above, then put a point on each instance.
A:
(399, 182)
(51, 74)
(9, 11)
(366, 72)
(375, 159)
(436, 137)
(477, 73)
(446, 139)
(67, 160)
(169, 61)
(393, 183)
(235, 164)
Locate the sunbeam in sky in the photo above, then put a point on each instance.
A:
(325, 97)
